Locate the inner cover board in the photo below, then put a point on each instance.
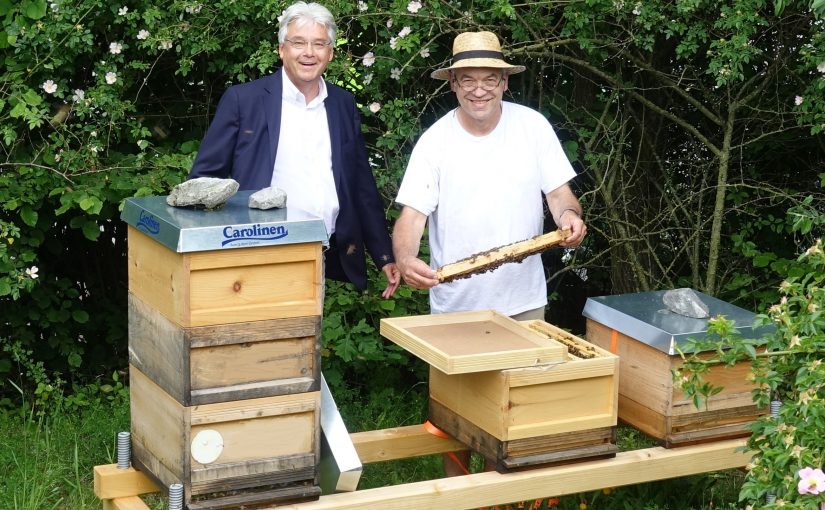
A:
(478, 341)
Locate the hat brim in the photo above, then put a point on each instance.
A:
(444, 73)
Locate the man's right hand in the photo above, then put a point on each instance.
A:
(416, 273)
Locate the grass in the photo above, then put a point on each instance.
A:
(47, 461)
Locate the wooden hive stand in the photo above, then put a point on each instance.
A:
(120, 489)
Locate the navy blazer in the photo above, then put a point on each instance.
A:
(242, 141)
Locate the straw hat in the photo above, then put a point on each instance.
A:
(476, 49)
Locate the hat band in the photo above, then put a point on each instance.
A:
(463, 55)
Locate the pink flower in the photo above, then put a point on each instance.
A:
(375, 107)
(811, 481)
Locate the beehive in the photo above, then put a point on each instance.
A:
(224, 324)
(645, 335)
(547, 410)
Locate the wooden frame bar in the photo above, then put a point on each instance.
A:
(119, 488)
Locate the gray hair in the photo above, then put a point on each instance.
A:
(302, 13)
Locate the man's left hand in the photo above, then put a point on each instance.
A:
(393, 279)
(577, 228)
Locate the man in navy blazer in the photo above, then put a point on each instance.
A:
(293, 130)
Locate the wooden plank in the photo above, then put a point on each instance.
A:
(400, 443)
(492, 488)
(540, 449)
(250, 293)
(644, 372)
(125, 503)
(484, 489)
(158, 348)
(476, 341)
(159, 430)
(253, 499)
(491, 259)
(111, 482)
(158, 276)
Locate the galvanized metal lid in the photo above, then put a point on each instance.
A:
(235, 225)
(644, 317)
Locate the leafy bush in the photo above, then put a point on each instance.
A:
(787, 443)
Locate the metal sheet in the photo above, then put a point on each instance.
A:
(340, 468)
(644, 317)
(235, 225)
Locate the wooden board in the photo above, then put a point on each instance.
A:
(226, 286)
(491, 259)
(492, 488)
(208, 364)
(539, 450)
(465, 342)
(266, 441)
(651, 402)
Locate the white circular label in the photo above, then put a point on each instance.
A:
(207, 446)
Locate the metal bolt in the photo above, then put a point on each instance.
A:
(176, 496)
(124, 450)
(775, 405)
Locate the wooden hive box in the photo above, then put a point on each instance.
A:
(227, 454)
(644, 334)
(554, 412)
(208, 364)
(234, 265)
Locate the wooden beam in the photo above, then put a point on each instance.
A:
(111, 482)
(491, 259)
(127, 503)
(119, 488)
(400, 443)
(491, 488)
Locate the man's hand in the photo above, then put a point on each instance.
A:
(393, 279)
(570, 219)
(417, 273)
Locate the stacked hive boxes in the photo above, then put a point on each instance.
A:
(520, 394)
(224, 323)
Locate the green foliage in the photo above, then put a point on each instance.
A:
(102, 101)
(790, 371)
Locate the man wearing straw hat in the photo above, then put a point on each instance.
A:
(478, 176)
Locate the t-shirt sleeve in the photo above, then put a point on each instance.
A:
(555, 168)
(419, 187)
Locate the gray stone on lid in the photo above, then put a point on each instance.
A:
(268, 198)
(686, 302)
(209, 192)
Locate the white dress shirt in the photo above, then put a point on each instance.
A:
(303, 164)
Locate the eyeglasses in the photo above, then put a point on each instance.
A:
(488, 84)
(300, 44)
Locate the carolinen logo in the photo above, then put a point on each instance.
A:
(253, 233)
(148, 223)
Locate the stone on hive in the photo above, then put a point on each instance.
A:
(268, 198)
(209, 192)
(686, 302)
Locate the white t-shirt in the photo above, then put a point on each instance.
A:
(482, 192)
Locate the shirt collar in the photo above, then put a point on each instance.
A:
(295, 96)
